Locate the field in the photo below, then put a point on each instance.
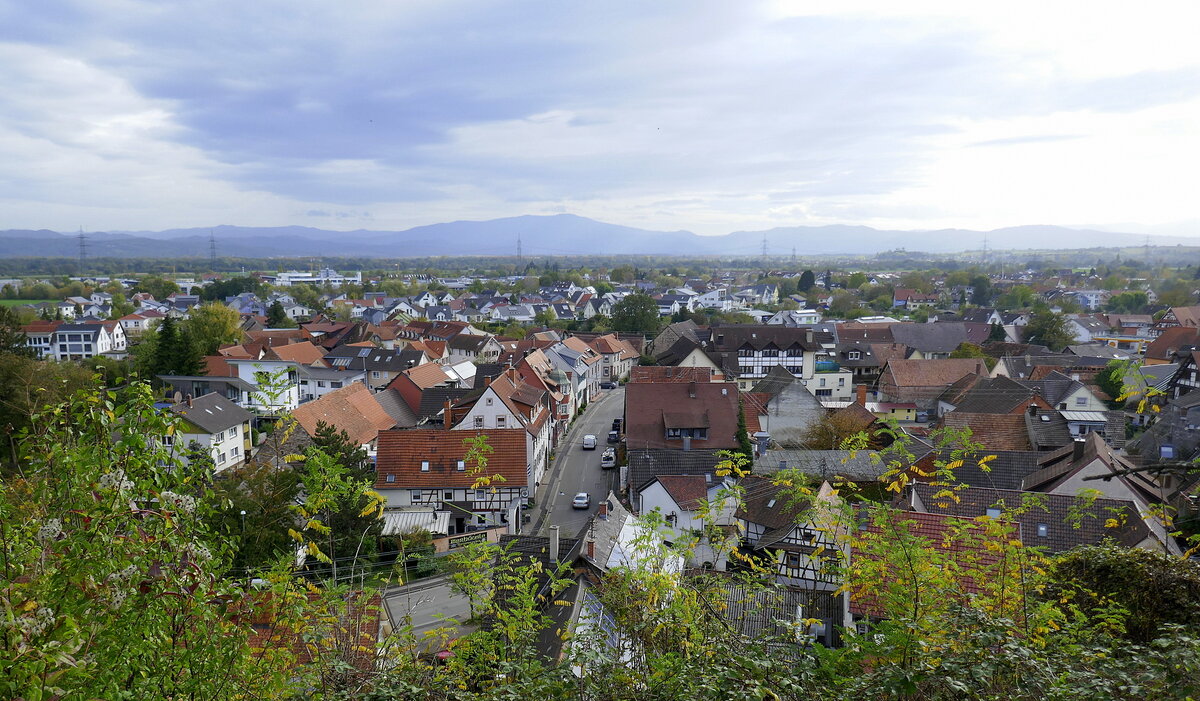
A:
(19, 302)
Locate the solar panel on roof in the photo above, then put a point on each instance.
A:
(364, 352)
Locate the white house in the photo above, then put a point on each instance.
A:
(275, 384)
(212, 424)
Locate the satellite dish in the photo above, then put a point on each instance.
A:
(178, 396)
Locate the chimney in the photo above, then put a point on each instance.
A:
(553, 545)
(487, 380)
(1033, 410)
(591, 547)
(860, 395)
(1077, 452)
(188, 399)
(603, 512)
(692, 389)
(808, 337)
(447, 421)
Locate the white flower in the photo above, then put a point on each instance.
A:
(182, 502)
(115, 480)
(49, 530)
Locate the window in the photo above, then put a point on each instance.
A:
(480, 494)
(392, 478)
(821, 383)
(462, 465)
(335, 384)
(220, 458)
(993, 512)
(1043, 530)
(424, 466)
(1080, 401)
(233, 453)
(745, 370)
(501, 421)
(795, 352)
(854, 355)
(841, 382)
(375, 374)
(415, 496)
(745, 352)
(447, 496)
(489, 401)
(770, 353)
(795, 561)
(824, 393)
(672, 433)
(478, 422)
(320, 383)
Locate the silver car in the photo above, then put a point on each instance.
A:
(582, 500)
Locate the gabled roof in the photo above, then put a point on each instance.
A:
(651, 408)
(645, 465)
(303, 352)
(402, 452)
(211, 413)
(427, 375)
(992, 431)
(999, 395)
(352, 409)
(688, 491)
(932, 373)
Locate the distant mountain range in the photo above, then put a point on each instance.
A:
(562, 234)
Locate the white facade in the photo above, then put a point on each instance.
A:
(227, 447)
(260, 373)
(326, 276)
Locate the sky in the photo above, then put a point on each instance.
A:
(706, 116)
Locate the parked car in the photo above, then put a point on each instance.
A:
(609, 458)
(589, 442)
(582, 500)
(617, 424)
(614, 437)
(608, 385)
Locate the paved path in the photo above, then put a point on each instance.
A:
(577, 470)
(430, 603)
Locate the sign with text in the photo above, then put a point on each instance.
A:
(463, 541)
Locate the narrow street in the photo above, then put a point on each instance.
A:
(577, 470)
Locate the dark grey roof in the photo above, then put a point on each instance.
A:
(433, 400)
(998, 395)
(777, 380)
(930, 338)
(212, 412)
(1068, 521)
(394, 405)
(1005, 470)
(645, 465)
(859, 466)
(762, 613)
(1049, 433)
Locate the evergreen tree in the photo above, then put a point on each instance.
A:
(828, 279)
(174, 351)
(12, 338)
(996, 333)
(807, 280)
(276, 316)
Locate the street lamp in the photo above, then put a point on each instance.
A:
(243, 521)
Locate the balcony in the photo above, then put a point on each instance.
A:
(827, 366)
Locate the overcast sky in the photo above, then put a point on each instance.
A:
(708, 116)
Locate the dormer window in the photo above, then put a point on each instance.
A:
(854, 355)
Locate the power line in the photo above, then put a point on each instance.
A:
(82, 250)
(212, 250)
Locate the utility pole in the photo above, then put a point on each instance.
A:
(212, 251)
(764, 246)
(793, 255)
(985, 251)
(520, 257)
(82, 250)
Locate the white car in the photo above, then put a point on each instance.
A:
(608, 459)
(589, 442)
(582, 500)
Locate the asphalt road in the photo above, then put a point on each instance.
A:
(578, 470)
(431, 605)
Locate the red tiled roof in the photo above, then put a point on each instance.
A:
(941, 532)
(993, 431)
(215, 366)
(688, 491)
(402, 452)
(303, 352)
(352, 633)
(352, 409)
(933, 373)
(668, 373)
(427, 375)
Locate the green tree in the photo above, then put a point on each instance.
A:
(996, 333)
(354, 533)
(807, 280)
(212, 325)
(970, 350)
(172, 351)
(982, 290)
(637, 313)
(1049, 329)
(276, 316)
(12, 338)
(159, 287)
(1132, 302)
(264, 492)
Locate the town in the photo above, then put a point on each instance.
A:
(450, 450)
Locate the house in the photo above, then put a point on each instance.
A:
(1054, 523)
(700, 416)
(411, 383)
(352, 409)
(1086, 328)
(790, 409)
(211, 424)
(795, 317)
(747, 352)
(507, 401)
(1171, 340)
(799, 535)
(139, 323)
(274, 385)
(1091, 300)
(922, 381)
(39, 336)
(430, 468)
(482, 349)
(680, 499)
(617, 356)
(80, 341)
(910, 299)
(1090, 464)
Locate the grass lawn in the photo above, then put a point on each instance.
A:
(19, 302)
